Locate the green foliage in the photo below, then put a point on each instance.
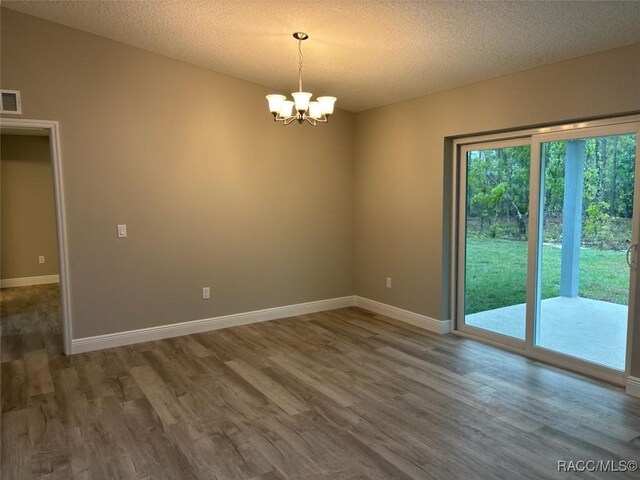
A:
(615, 235)
(498, 191)
(485, 203)
(496, 231)
(596, 222)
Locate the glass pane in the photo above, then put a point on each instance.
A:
(588, 207)
(497, 203)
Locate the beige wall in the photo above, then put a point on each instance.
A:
(27, 217)
(213, 192)
(403, 175)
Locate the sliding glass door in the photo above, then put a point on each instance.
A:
(494, 233)
(586, 237)
(547, 237)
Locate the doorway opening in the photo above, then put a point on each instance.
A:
(34, 294)
(547, 238)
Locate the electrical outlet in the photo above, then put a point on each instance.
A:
(41, 259)
(388, 282)
(206, 293)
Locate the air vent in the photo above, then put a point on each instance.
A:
(11, 102)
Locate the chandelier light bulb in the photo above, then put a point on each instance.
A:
(305, 109)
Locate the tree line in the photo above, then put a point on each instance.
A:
(498, 191)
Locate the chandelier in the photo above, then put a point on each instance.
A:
(305, 109)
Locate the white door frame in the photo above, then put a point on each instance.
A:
(52, 129)
(460, 325)
(533, 135)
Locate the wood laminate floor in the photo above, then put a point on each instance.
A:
(30, 320)
(335, 395)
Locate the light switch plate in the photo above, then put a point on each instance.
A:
(122, 231)
(41, 259)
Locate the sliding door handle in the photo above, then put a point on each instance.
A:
(632, 257)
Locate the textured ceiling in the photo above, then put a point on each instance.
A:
(367, 53)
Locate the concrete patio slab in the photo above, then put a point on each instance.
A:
(591, 330)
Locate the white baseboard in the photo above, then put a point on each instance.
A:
(110, 340)
(28, 281)
(633, 386)
(431, 324)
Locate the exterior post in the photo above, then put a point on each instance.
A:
(572, 218)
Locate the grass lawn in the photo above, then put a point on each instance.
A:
(496, 274)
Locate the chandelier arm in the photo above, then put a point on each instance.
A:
(288, 120)
(312, 121)
(280, 118)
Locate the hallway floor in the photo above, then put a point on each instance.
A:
(30, 321)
